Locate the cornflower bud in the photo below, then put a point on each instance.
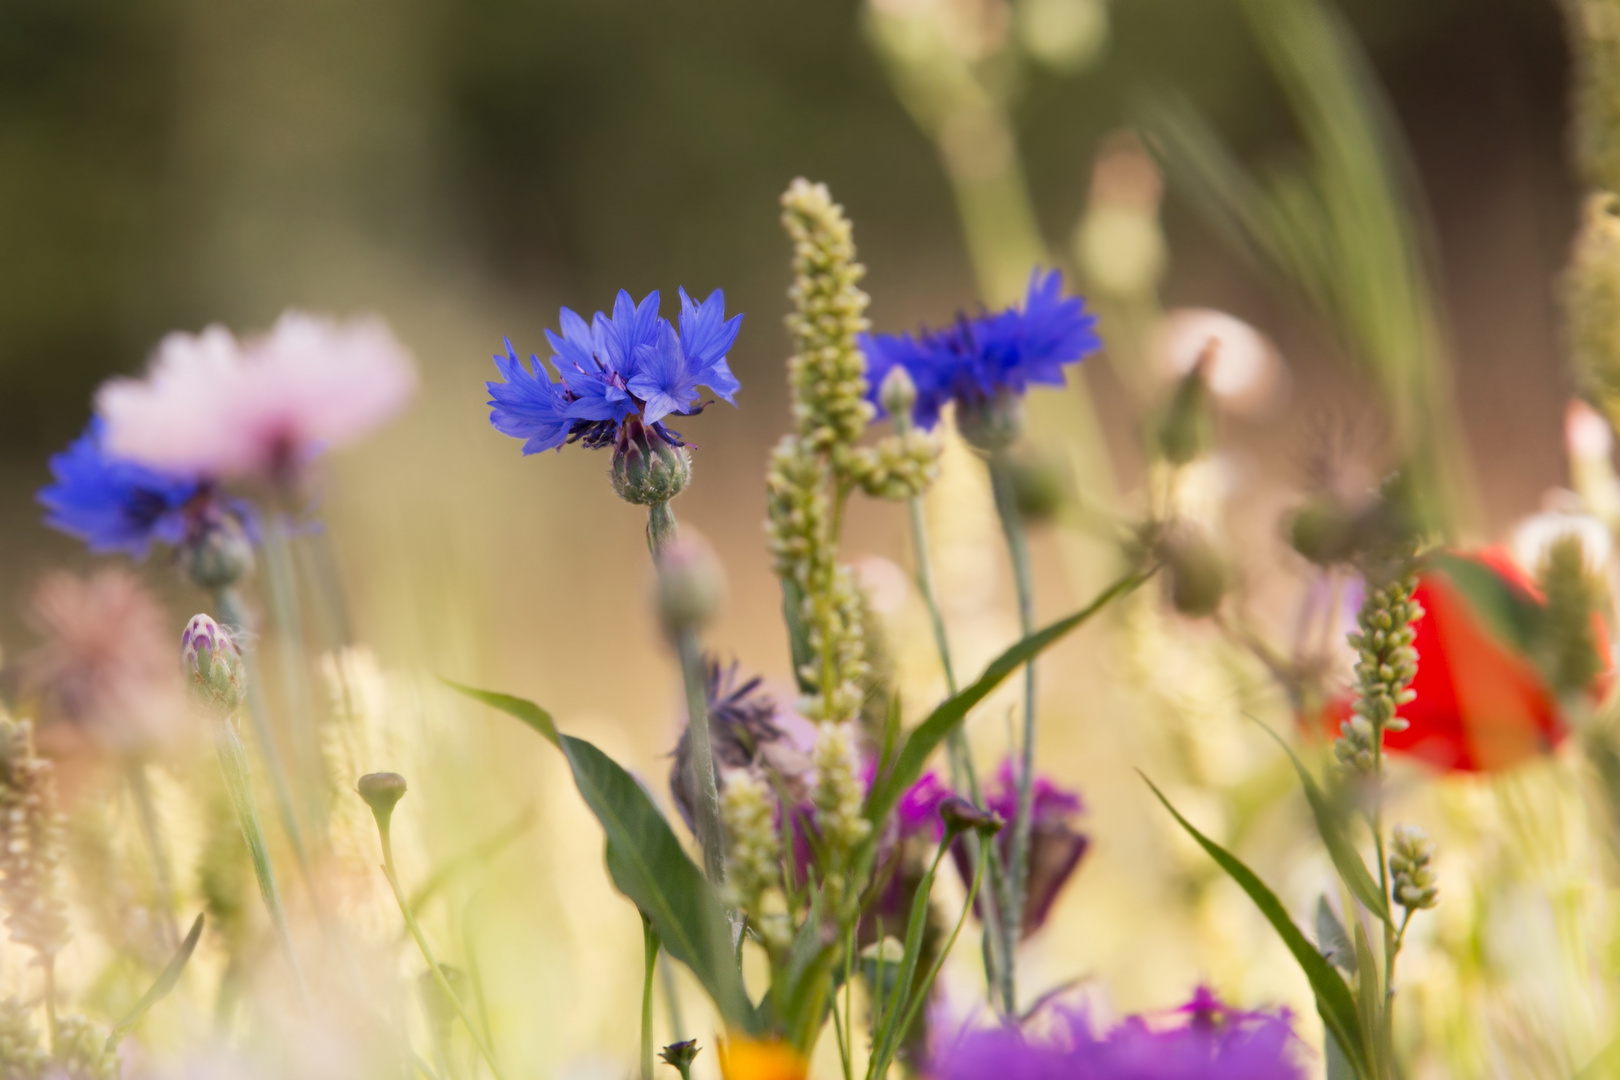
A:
(1324, 531)
(212, 665)
(1197, 574)
(221, 556)
(1187, 428)
(1414, 883)
(691, 584)
(382, 792)
(647, 468)
(680, 1056)
(960, 815)
(991, 424)
(1040, 487)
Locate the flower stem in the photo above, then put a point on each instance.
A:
(677, 1024)
(233, 765)
(228, 603)
(649, 944)
(140, 790)
(703, 778)
(660, 528)
(963, 774)
(1012, 527)
(281, 582)
(427, 953)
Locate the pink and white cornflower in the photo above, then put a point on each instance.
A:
(260, 408)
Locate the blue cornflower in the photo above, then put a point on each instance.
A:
(980, 358)
(116, 505)
(620, 377)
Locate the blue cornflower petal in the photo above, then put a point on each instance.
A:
(575, 347)
(632, 326)
(707, 336)
(112, 504)
(665, 379)
(529, 405)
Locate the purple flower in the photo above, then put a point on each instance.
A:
(113, 504)
(1055, 845)
(918, 811)
(633, 364)
(977, 358)
(1203, 1040)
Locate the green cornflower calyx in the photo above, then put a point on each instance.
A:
(1386, 664)
(1412, 878)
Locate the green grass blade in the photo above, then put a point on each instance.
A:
(1333, 998)
(160, 989)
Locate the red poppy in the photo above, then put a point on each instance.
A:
(1481, 704)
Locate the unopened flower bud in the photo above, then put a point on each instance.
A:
(691, 584)
(959, 815)
(381, 791)
(648, 468)
(1195, 570)
(680, 1056)
(898, 395)
(1187, 428)
(991, 424)
(221, 556)
(212, 665)
(1413, 883)
(1040, 487)
(1324, 531)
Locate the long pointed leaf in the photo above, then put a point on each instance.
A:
(1333, 998)
(931, 732)
(160, 989)
(646, 861)
(1345, 858)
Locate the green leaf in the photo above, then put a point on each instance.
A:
(160, 989)
(1345, 858)
(1332, 940)
(1333, 998)
(1510, 613)
(1370, 1005)
(646, 861)
(942, 721)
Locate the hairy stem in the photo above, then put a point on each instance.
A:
(649, 944)
(140, 790)
(703, 778)
(660, 528)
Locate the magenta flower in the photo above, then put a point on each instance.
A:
(261, 408)
(1203, 1040)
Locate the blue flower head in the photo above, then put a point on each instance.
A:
(619, 376)
(980, 357)
(115, 505)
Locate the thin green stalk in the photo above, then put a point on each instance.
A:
(1012, 527)
(660, 528)
(140, 790)
(939, 959)
(672, 1000)
(473, 1032)
(233, 765)
(997, 947)
(282, 588)
(232, 613)
(708, 792)
(649, 945)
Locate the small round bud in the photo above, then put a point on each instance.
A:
(648, 468)
(959, 814)
(1324, 531)
(1187, 428)
(212, 665)
(219, 557)
(680, 1055)
(1040, 487)
(691, 584)
(1196, 572)
(898, 394)
(381, 791)
(991, 424)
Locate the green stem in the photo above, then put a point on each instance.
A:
(282, 587)
(473, 1033)
(702, 761)
(233, 765)
(140, 790)
(660, 528)
(672, 999)
(939, 959)
(228, 604)
(997, 947)
(1012, 527)
(649, 945)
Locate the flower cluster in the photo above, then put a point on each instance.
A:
(30, 843)
(1386, 665)
(621, 377)
(1203, 1040)
(981, 358)
(1412, 878)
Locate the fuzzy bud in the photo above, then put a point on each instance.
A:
(212, 665)
(1324, 531)
(382, 792)
(898, 395)
(960, 815)
(691, 584)
(1187, 428)
(991, 424)
(220, 557)
(1414, 884)
(1040, 486)
(1196, 574)
(680, 1056)
(647, 468)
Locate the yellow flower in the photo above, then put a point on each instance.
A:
(745, 1059)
